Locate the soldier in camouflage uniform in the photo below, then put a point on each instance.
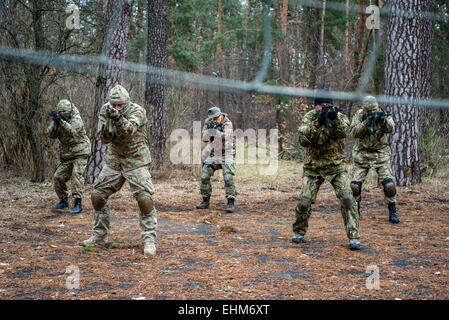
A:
(74, 149)
(325, 160)
(220, 154)
(370, 127)
(123, 125)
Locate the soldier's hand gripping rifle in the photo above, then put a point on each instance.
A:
(56, 117)
(373, 116)
(327, 114)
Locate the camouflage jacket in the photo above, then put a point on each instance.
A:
(368, 141)
(128, 137)
(324, 146)
(225, 130)
(72, 136)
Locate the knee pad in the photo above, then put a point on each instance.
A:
(356, 187)
(347, 199)
(145, 203)
(98, 201)
(304, 204)
(389, 187)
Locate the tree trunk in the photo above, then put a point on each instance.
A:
(34, 76)
(155, 89)
(347, 40)
(314, 68)
(407, 74)
(282, 44)
(114, 47)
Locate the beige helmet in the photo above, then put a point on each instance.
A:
(118, 95)
(64, 106)
(370, 104)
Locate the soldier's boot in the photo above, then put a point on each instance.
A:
(95, 240)
(354, 244)
(77, 208)
(297, 238)
(204, 204)
(149, 248)
(64, 203)
(393, 215)
(231, 206)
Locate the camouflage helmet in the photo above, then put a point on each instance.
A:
(118, 95)
(64, 106)
(213, 112)
(369, 104)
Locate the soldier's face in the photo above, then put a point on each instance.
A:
(217, 120)
(117, 106)
(319, 107)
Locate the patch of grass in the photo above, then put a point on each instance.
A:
(113, 245)
(228, 288)
(87, 249)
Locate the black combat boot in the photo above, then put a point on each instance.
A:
(393, 215)
(231, 206)
(204, 204)
(64, 203)
(77, 208)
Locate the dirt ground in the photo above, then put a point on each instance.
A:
(211, 254)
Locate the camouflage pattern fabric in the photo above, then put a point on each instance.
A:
(127, 137)
(208, 171)
(325, 160)
(371, 150)
(326, 150)
(224, 130)
(111, 181)
(341, 185)
(73, 169)
(219, 154)
(74, 148)
(72, 136)
(127, 159)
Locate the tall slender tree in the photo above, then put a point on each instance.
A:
(155, 89)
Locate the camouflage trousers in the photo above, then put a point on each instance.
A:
(383, 169)
(208, 171)
(111, 181)
(341, 185)
(72, 170)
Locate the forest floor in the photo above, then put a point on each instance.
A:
(211, 254)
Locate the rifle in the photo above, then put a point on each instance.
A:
(109, 109)
(55, 115)
(374, 116)
(325, 112)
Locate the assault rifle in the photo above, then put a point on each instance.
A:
(323, 116)
(55, 115)
(373, 116)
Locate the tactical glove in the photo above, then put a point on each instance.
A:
(321, 118)
(57, 118)
(332, 114)
(112, 114)
(382, 121)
